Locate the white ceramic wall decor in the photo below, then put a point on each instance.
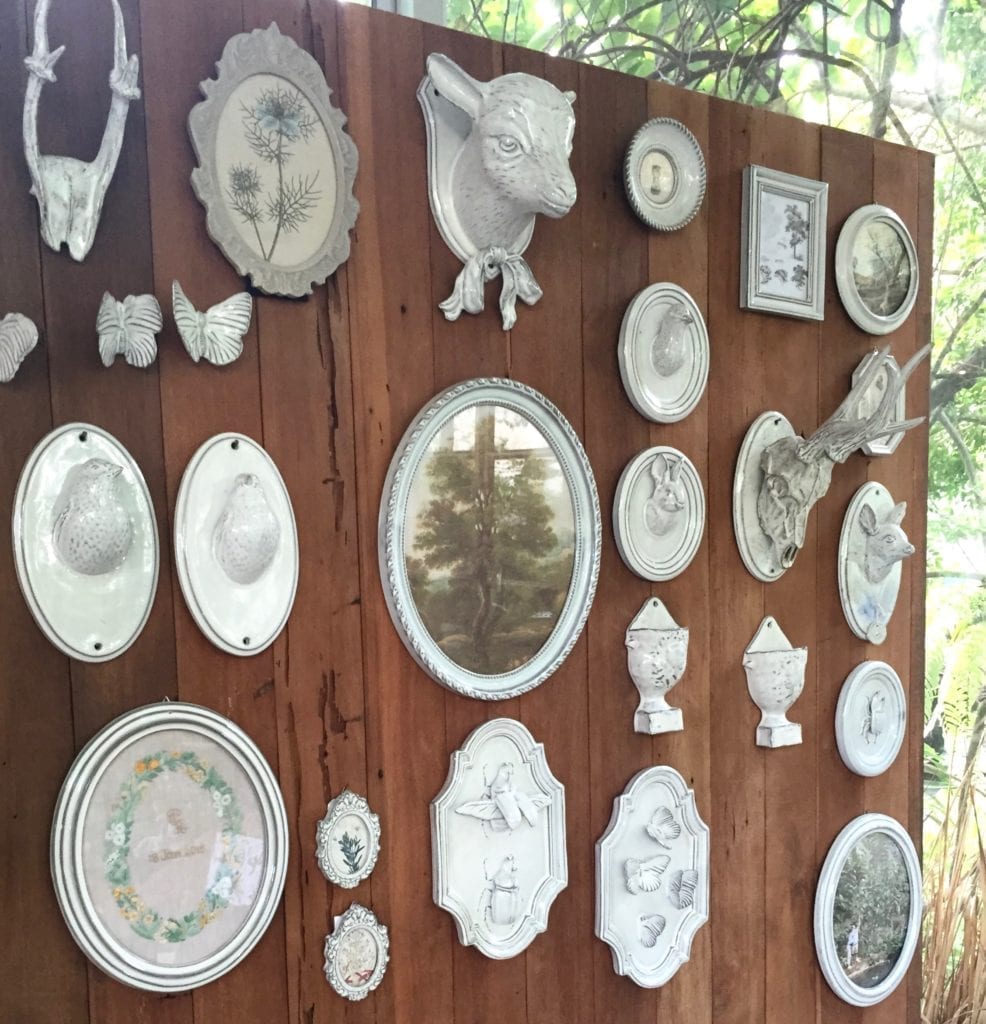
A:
(775, 677)
(169, 847)
(498, 839)
(659, 513)
(664, 174)
(652, 877)
(217, 334)
(70, 192)
(871, 718)
(356, 953)
(128, 329)
(871, 548)
(780, 475)
(876, 269)
(347, 840)
(85, 542)
(664, 353)
(236, 545)
(18, 336)
(657, 652)
(868, 909)
(497, 156)
(782, 257)
(870, 399)
(489, 538)
(276, 169)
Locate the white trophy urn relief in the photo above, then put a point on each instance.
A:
(657, 652)
(775, 676)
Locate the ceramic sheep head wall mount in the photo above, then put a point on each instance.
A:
(69, 191)
(498, 155)
(780, 475)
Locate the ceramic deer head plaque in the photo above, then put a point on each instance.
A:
(69, 191)
(781, 475)
(497, 157)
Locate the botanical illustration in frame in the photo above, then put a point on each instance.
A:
(356, 953)
(169, 847)
(664, 353)
(489, 538)
(347, 840)
(276, 169)
(659, 513)
(783, 252)
(664, 174)
(871, 718)
(652, 877)
(236, 544)
(498, 839)
(872, 546)
(85, 542)
(868, 909)
(876, 269)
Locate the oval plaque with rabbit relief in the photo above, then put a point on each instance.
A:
(236, 546)
(659, 513)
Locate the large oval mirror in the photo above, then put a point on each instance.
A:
(489, 538)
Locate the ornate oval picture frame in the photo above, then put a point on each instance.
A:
(356, 953)
(659, 513)
(876, 269)
(871, 718)
(276, 169)
(122, 862)
(347, 840)
(85, 542)
(664, 353)
(664, 174)
(853, 935)
(493, 458)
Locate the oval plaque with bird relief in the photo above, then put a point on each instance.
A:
(85, 542)
(236, 545)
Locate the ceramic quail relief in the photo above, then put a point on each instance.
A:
(872, 546)
(276, 169)
(775, 677)
(347, 840)
(85, 542)
(70, 192)
(657, 652)
(498, 156)
(652, 877)
(664, 353)
(18, 337)
(236, 545)
(498, 839)
(659, 513)
(871, 718)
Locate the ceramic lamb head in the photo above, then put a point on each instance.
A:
(498, 155)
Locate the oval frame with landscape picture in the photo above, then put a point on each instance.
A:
(276, 171)
(865, 310)
(857, 850)
(524, 457)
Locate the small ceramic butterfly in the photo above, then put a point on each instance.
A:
(18, 336)
(127, 329)
(216, 335)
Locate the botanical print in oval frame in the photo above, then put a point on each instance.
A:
(489, 538)
(868, 909)
(276, 169)
(169, 847)
(347, 840)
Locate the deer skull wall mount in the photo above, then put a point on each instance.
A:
(780, 475)
(498, 155)
(69, 191)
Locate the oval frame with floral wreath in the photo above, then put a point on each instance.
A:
(86, 916)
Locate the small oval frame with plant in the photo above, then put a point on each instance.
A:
(348, 840)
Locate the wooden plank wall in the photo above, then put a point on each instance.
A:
(328, 385)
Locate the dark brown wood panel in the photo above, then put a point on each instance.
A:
(329, 384)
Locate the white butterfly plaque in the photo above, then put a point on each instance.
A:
(18, 336)
(216, 335)
(652, 877)
(129, 329)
